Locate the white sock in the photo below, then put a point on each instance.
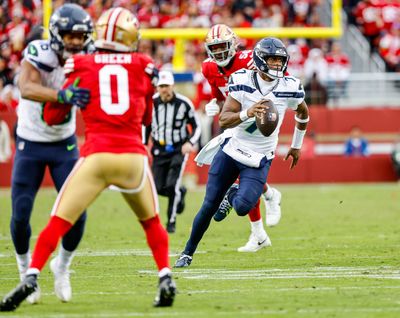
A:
(32, 271)
(269, 193)
(23, 261)
(257, 228)
(64, 259)
(164, 271)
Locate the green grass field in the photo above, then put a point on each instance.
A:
(335, 253)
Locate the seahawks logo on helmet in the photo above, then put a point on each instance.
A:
(67, 19)
(266, 48)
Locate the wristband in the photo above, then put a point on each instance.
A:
(243, 115)
(298, 137)
(300, 120)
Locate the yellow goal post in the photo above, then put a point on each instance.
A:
(183, 34)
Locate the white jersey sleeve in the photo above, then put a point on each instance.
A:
(238, 85)
(31, 125)
(291, 91)
(41, 56)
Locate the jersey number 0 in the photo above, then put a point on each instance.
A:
(106, 103)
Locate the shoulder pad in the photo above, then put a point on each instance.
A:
(39, 54)
(241, 76)
(293, 83)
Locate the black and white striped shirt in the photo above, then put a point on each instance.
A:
(171, 119)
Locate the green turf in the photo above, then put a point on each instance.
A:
(335, 253)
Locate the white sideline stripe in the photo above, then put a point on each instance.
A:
(278, 273)
(234, 291)
(316, 272)
(111, 253)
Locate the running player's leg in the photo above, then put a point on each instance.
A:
(27, 175)
(141, 196)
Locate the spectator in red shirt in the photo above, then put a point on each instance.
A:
(338, 71)
(369, 20)
(389, 48)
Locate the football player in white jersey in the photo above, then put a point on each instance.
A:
(248, 153)
(38, 145)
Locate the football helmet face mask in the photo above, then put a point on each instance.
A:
(266, 50)
(117, 30)
(70, 19)
(221, 44)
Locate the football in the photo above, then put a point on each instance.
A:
(267, 122)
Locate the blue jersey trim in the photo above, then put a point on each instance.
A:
(289, 94)
(42, 66)
(236, 88)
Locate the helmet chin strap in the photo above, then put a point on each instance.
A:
(279, 74)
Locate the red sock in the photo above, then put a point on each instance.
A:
(255, 214)
(157, 239)
(48, 240)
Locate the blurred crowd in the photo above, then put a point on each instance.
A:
(320, 64)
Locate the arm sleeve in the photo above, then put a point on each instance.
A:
(215, 92)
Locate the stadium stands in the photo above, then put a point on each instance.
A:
(368, 99)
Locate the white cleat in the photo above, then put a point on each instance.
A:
(33, 298)
(254, 245)
(273, 208)
(62, 284)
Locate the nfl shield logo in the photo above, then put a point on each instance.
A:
(271, 116)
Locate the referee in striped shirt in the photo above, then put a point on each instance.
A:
(175, 131)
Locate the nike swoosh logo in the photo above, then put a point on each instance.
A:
(71, 147)
(260, 243)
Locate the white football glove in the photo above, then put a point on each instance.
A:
(212, 108)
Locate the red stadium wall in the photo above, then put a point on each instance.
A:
(327, 169)
(376, 168)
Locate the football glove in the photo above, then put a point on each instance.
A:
(74, 95)
(212, 108)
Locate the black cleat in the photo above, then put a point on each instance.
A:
(225, 207)
(166, 292)
(181, 204)
(171, 227)
(14, 298)
(183, 261)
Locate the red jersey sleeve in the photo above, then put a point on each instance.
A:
(148, 114)
(152, 72)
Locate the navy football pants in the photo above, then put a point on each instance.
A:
(222, 174)
(30, 162)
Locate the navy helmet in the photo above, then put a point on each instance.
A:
(270, 47)
(69, 18)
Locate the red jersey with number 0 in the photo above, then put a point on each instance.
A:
(218, 76)
(120, 99)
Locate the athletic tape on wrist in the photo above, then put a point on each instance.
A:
(243, 115)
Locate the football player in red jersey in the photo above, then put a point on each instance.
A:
(221, 43)
(113, 152)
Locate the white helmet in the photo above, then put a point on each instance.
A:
(221, 44)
